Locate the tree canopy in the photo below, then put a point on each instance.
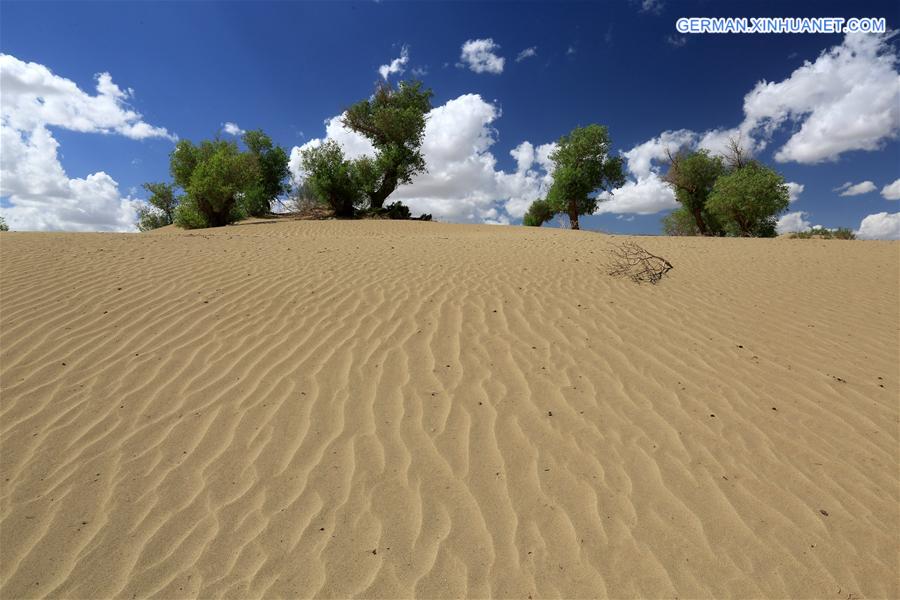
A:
(221, 182)
(333, 179)
(692, 176)
(538, 213)
(583, 167)
(161, 211)
(272, 174)
(747, 200)
(731, 194)
(214, 174)
(394, 122)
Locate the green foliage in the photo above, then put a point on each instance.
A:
(396, 211)
(583, 166)
(538, 213)
(215, 176)
(680, 222)
(161, 211)
(334, 180)
(692, 175)
(747, 200)
(394, 121)
(188, 216)
(3, 225)
(841, 233)
(271, 181)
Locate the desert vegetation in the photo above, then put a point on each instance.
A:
(822, 233)
(582, 168)
(730, 195)
(221, 183)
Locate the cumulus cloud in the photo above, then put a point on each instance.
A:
(793, 222)
(794, 190)
(480, 56)
(646, 193)
(462, 182)
(526, 53)
(847, 99)
(851, 189)
(645, 196)
(41, 195)
(891, 191)
(232, 128)
(880, 226)
(396, 66)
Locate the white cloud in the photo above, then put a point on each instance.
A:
(570, 51)
(40, 193)
(640, 159)
(463, 182)
(644, 196)
(891, 191)
(526, 53)
(34, 97)
(793, 222)
(232, 128)
(480, 56)
(848, 99)
(851, 189)
(676, 40)
(880, 226)
(646, 193)
(794, 190)
(396, 66)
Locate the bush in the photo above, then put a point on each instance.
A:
(3, 225)
(680, 222)
(188, 216)
(747, 200)
(272, 173)
(538, 213)
(161, 211)
(841, 233)
(334, 180)
(216, 176)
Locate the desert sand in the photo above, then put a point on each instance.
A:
(399, 409)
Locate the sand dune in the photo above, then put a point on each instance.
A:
(390, 409)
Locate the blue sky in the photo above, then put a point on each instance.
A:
(287, 67)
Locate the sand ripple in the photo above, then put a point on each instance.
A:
(373, 409)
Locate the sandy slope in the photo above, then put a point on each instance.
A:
(395, 409)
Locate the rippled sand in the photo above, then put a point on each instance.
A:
(384, 409)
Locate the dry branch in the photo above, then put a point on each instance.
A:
(630, 260)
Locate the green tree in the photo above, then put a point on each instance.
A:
(394, 122)
(272, 168)
(583, 166)
(3, 225)
(334, 180)
(680, 222)
(161, 211)
(214, 175)
(692, 175)
(747, 200)
(538, 213)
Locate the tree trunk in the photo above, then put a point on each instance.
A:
(387, 187)
(573, 218)
(701, 224)
(217, 219)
